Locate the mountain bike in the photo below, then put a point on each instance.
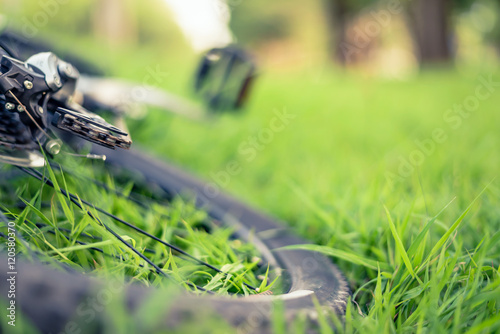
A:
(228, 257)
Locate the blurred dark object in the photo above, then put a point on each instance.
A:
(429, 22)
(22, 48)
(224, 78)
(337, 17)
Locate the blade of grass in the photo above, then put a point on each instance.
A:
(399, 245)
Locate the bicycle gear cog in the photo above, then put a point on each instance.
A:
(36, 98)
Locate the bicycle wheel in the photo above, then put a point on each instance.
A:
(50, 298)
(36, 109)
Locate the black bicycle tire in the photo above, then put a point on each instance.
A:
(50, 298)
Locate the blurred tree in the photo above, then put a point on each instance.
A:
(339, 13)
(252, 25)
(336, 18)
(429, 22)
(114, 22)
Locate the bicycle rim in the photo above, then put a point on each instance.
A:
(309, 278)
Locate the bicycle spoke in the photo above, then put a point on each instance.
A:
(116, 257)
(74, 200)
(103, 186)
(73, 197)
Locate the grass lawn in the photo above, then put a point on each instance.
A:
(395, 180)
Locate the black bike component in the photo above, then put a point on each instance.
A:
(224, 78)
(91, 128)
(59, 75)
(13, 133)
(24, 85)
(39, 92)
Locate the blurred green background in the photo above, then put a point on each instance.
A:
(390, 38)
(385, 105)
(358, 119)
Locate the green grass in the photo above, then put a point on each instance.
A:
(418, 243)
(54, 228)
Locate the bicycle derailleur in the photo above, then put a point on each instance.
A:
(39, 106)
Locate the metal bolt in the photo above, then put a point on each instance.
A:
(53, 147)
(68, 70)
(28, 84)
(40, 110)
(9, 106)
(20, 108)
(57, 81)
